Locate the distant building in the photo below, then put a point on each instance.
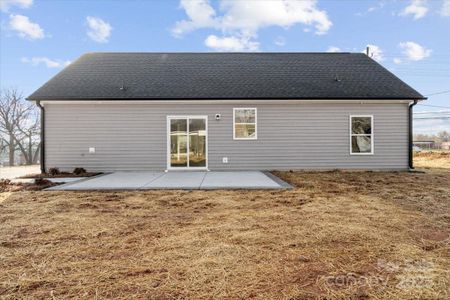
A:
(445, 145)
(425, 145)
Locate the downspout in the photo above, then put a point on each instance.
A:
(38, 103)
(410, 144)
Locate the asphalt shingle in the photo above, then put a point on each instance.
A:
(122, 76)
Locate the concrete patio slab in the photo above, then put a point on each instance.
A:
(112, 181)
(65, 179)
(190, 180)
(177, 180)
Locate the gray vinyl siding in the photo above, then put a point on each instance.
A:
(290, 136)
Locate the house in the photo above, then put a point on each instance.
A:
(445, 145)
(424, 145)
(226, 111)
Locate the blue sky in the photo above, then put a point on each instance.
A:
(410, 38)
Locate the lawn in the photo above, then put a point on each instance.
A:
(335, 235)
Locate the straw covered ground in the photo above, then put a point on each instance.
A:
(336, 235)
(432, 159)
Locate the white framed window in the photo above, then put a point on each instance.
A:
(244, 124)
(361, 134)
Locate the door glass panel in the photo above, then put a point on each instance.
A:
(197, 143)
(178, 143)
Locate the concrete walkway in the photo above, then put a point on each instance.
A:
(177, 180)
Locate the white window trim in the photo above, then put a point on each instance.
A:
(372, 135)
(234, 124)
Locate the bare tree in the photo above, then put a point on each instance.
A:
(19, 126)
(423, 137)
(3, 146)
(27, 137)
(443, 136)
(436, 139)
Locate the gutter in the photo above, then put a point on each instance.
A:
(410, 140)
(38, 103)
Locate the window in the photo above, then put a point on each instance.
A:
(244, 123)
(361, 135)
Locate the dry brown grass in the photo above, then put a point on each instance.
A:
(432, 159)
(345, 235)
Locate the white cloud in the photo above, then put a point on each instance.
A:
(250, 16)
(231, 43)
(333, 49)
(6, 4)
(414, 51)
(375, 52)
(417, 8)
(200, 13)
(380, 5)
(445, 10)
(99, 30)
(26, 28)
(49, 63)
(372, 9)
(280, 41)
(243, 19)
(397, 61)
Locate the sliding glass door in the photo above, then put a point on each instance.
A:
(187, 142)
(197, 143)
(178, 143)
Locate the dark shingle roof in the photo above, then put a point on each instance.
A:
(224, 76)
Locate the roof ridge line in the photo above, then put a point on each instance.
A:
(199, 52)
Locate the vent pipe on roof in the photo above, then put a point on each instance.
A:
(122, 87)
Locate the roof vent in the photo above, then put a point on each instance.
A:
(337, 79)
(122, 87)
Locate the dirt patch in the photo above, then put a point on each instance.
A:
(335, 235)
